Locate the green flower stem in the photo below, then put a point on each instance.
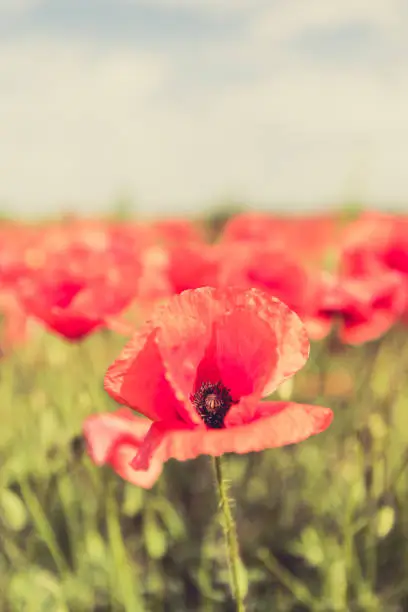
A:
(230, 532)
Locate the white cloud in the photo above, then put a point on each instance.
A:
(82, 123)
(16, 7)
(286, 20)
(75, 120)
(213, 6)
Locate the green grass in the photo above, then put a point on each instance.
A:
(322, 525)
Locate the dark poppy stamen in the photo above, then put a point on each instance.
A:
(212, 402)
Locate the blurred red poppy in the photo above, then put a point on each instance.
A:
(264, 267)
(191, 265)
(310, 237)
(377, 242)
(114, 438)
(364, 308)
(199, 368)
(169, 231)
(78, 279)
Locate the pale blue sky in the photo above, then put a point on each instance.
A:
(176, 104)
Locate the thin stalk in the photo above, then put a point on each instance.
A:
(43, 527)
(230, 532)
(287, 579)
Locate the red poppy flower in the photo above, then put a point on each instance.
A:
(71, 308)
(199, 368)
(253, 227)
(264, 267)
(192, 265)
(376, 243)
(177, 231)
(113, 438)
(363, 307)
(374, 230)
(310, 237)
(79, 281)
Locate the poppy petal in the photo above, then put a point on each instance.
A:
(186, 327)
(275, 424)
(103, 431)
(121, 460)
(114, 438)
(367, 330)
(246, 357)
(379, 301)
(138, 378)
(292, 343)
(116, 372)
(246, 352)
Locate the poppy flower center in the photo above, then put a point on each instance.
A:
(212, 402)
